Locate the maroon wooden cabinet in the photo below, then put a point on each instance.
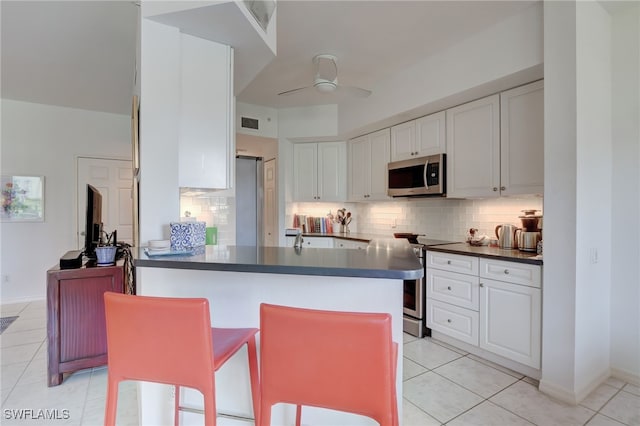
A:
(76, 331)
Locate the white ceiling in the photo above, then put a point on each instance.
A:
(82, 53)
(79, 54)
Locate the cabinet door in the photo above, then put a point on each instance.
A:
(510, 321)
(359, 168)
(473, 149)
(430, 134)
(305, 172)
(522, 140)
(332, 171)
(403, 141)
(380, 146)
(206, 144)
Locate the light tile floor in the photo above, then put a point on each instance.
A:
(442, 385)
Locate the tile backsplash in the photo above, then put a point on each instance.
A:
(438, 218)
(216, 208)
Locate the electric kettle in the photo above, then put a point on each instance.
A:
(506, 234)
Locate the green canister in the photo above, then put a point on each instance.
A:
(211, 238)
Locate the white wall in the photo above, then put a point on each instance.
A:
(593, 201)
(502, 50)
(317, 122)
(46, 140)
(267, 120)
(591, 123)
(559, 315)
(625, 268)
(159, 130)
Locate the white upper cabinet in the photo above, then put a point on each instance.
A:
(522, 140)
(430, 134)
(206, 137)
(417, 138)
(495, 145)
(368, 159)
(473, 149)
(403, 141)
(319, 171)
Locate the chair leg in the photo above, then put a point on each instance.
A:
(111, 407)
(298, 414)
(176, 406)
(265, 414)
(255, 378)
(210, 413)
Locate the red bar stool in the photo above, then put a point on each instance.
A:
(171, 341)
(345, 361)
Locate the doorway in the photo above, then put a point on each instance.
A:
(114, 179)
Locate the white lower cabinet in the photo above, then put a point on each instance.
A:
(510, 317)
(492, 304)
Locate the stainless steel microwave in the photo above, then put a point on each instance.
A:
(417, 177)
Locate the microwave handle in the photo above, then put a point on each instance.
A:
(424, 175)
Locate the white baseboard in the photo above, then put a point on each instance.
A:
(626, 376)
(573, 397)
(558, 392)
(21, 300)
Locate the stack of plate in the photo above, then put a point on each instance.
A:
(159, 246)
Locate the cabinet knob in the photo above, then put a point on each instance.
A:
(502, 188)
(506, 271)
(448, 262)
(449, 288)
(481, 285)
(449, 321)
(495, 189)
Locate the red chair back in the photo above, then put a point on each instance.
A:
(180, 352)
(340, 360)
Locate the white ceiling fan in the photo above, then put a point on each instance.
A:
(326, 79)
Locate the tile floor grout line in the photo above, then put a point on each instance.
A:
(505, 408)
(23, 371)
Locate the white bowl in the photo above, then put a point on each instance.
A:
(159, 244)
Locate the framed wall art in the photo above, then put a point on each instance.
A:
(22, 198)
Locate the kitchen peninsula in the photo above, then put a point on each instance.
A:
(237, 279)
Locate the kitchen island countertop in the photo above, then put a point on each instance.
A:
(394, 261)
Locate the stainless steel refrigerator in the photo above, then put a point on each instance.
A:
(249, 196)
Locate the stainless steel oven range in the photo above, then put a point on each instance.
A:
(414, 320)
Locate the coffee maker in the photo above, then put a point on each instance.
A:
(530, 233)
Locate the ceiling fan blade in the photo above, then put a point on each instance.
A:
(292, 91)
(355, 91)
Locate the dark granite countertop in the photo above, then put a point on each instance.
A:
(489, 252)
(396, 260)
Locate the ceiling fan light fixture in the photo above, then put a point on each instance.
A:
(325, 86)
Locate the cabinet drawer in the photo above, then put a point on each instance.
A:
(459, 323)
(452, 262)
(318, 242)
(451, 287)
(512, 272)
